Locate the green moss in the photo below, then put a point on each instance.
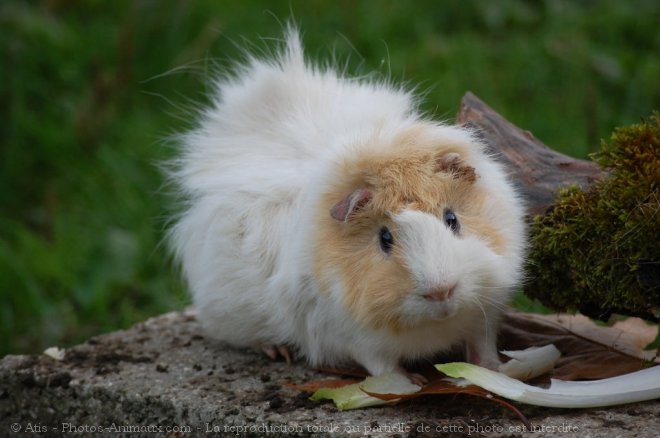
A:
(598, 251)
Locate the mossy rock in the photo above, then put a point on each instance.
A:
(598, 251)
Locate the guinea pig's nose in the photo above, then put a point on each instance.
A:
(440, 294)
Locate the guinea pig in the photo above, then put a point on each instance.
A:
(326, 214)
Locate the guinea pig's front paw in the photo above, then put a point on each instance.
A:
(486, 358)
(414, 378)
(492, 364)
(274, 352)
(377, 366)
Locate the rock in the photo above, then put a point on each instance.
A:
(164, 376)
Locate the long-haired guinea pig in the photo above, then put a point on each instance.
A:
(325, 214)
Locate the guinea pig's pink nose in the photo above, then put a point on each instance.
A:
(440, 294)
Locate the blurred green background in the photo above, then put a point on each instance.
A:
(91, 90)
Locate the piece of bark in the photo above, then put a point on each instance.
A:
(537, 170)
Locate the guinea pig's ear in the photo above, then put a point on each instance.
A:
(447, 162)
(351, 204)
(453, 163)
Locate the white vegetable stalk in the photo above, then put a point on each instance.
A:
(634, 387)
(530, 363)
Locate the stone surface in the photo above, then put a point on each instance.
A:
(164, 378)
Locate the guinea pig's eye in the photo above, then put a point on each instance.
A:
(451, 221)
(386, 240)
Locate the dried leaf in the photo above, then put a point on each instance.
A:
(437, 387)
(588, 351)
(639, 334)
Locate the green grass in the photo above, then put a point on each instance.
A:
(90, 90)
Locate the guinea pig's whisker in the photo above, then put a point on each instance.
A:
(492, 302)
(476, 301)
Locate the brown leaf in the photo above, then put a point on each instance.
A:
(639, 334)
(588, 351)
(436, 387)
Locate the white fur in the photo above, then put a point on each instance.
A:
(252, 173)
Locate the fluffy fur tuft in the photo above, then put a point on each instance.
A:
(290, 179)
